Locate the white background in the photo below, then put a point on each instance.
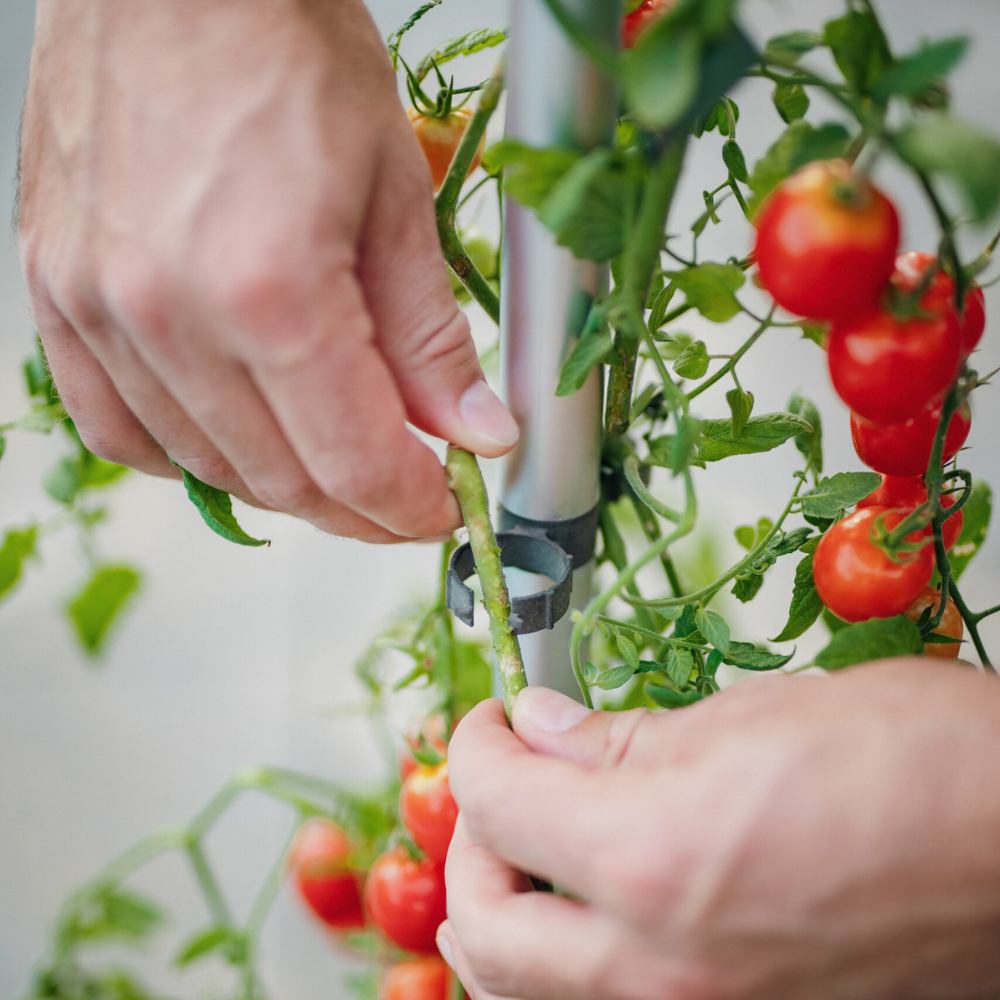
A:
(236, 656)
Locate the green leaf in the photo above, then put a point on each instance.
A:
(216, 509)
(669, 698)
(748, 657)
(614, 678)
(747, 588)
(630, 654)
(717, 118)
(791, 101)
(859, 48)
(809, 443)
(938, 144)
(3, 445)
(587, 207)
(836, 493)
(911, 75)
(975, 524)
(714, 628)
(789, 48)
(669, 614)
(673, 451)
(710, 288)
(62, 480)
(38, 378)
(17, 546)
(462, 45)
(106, 913)
(806, 605)
(590, 350)
(740, 406)
(735, 161)
(40, 419)
(397, 36)
(661, 74)
(98, 604)
(760, 434)
(680, 663)
(832, 622)
(814, 332)
(724, 60)
(203, 943)
(875, 639)
(589, 672)
(529, 173)
(692, 362)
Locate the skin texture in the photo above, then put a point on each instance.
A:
(793, 837)
(228, 233)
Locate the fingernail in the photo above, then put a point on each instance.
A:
(445, 948)
(547, 710)
(485, 415)
(435, 539)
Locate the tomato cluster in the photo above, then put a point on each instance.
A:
(402, 895)
(638, 20)
(827, 249)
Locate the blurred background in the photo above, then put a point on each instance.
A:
(234, 656)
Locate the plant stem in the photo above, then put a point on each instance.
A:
(465, 479)
(734, 360)
(207, 883)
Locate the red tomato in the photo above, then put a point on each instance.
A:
(950, 624)
(429, 735)
(906, 493)
(319, 859)
(887, 369)
(904, 449)
(405, 899)
(634, 24)
(856, 580)
(428, 810)
(911, 267)
(427, 978)
(826, 242)
(439, 138)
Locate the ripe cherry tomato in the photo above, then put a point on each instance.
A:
(427, 978)
(887, 369)
(826, 242)
(906, 493)
(856, 580)
(634, 24)
(439, 138)
(428, 810)
(950, 624)
(904, 449)
(319, 860)
(405, 899)
(910, 271)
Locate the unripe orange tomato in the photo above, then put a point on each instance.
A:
(319, 862)
(439, 138)
(950, 624)
(428, 810)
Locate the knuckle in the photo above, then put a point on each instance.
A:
(136, 292)
(294, 494)
(447, 347)
(110, 443)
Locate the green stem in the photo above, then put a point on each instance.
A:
(642, 491)
(734, 360)
(208, 883)
(268, 893)
(465, 479)
(614, 550)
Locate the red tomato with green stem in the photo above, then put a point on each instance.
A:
(904, 449)
(857, 580)
(826, 242)
(426, 978)
(319, 860)
(637, 21)
(405, 900)
(950, 625)
(907, 493)
(428, 739)
(888, 369)
(428, 811)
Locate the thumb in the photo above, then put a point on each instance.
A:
(551, 723)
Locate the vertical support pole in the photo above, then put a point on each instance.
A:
(554, 97)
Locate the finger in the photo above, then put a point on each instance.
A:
(104, 421)
(423, 336)
(515, 942)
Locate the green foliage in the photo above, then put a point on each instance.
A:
(462, 45)
(667, 697)
(806, 605)
(876, 639)
(396, 37)
(17, 546)
(711, 288)
(692, 362)
(975, 523)
(99, 604)
(216, 509)
(735, 161)
(791, 101)
(789, 48)
(760, 434)
(838, 492)
(859, 48)
(810, 442)
(912, 75)
(746, 656)
(740, 406)
(714, 628)
(590, 350)
(529, 173)
(213, 940)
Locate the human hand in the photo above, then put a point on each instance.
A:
(793, 837)
(228, 233)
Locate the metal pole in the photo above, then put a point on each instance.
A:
(554, 97)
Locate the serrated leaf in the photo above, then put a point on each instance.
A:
(692, 362)
(809, 443)
(679, 665)
(100, 602)
(789, 48)
(746, 656)
(711, 288)
(740, 406)
(806, 605)
(875, 639)
(760, 434)
(911, 75)
(614, 678)
(747, 588)
(661, 74)
(216, 509)
(397, 36)
(674, 451)
(588, 352)
(202, 944)
(529, 173)
(791, 101)
(735, 161)
(17, 546)
(859, 48)
(462, 45)
(838, 492)
(714, 628)
(975, 524)
(938, 144)
(667, 697)
(589, 672)
(670, 614)
(791, 542)
(107, 913)
(630, 654)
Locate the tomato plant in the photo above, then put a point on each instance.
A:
(427, 978)
(320, 862)
(906, 493)
(636, 21)
(950, 625)
(439, 136)
(428, 811)
(405, 900)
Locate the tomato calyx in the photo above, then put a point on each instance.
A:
(443, 105)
